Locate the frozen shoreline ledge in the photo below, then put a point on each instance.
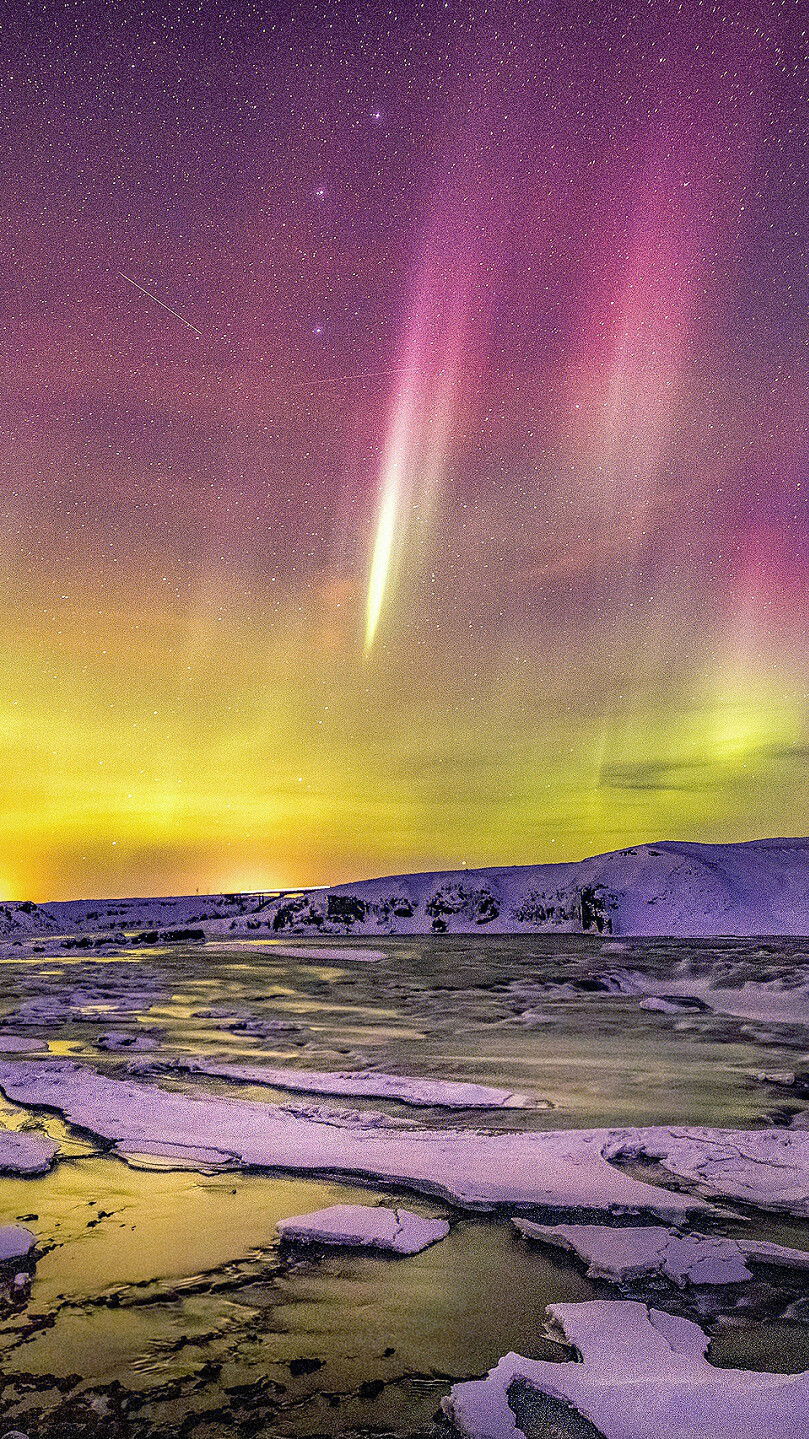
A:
(642, 1374)
(572, 1170)
(363, 1083)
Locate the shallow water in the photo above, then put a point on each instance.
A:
(164, 1303)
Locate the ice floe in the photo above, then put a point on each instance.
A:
(442, 1093)
(625, 1254)
(374, 1227)
(675, 1004)
(23, 1152)
(622, 1255)
(642, 1374)
(16, 1242)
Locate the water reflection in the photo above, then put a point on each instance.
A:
(168, 1292)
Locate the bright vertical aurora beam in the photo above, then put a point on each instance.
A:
(419, 437)
(445, 347)
(444, 320)
(399, 455)
(416, 451)
(392, 485)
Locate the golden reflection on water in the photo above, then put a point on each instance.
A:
(116, 1231)
(152, 1275)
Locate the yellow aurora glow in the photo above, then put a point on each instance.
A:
(468, 523)
(247, 767)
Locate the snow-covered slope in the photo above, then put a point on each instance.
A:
(670, 888)
(121, 916)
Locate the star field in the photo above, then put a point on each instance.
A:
(405, 455)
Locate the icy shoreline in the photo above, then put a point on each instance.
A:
(572, 1170)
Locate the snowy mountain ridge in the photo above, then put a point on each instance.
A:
(673, 887)
(760, 887)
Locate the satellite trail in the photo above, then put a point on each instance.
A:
(150, 296)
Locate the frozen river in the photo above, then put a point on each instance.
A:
(162, 1302)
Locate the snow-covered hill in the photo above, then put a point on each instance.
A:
(669, 888)
(151, 917)
(676, 888)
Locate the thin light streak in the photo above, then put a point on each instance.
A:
(163, 306)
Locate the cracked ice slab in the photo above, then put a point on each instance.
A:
(642, 1375)
(765, 1167)
(635, 1253)
(442, 1093)
(25, 1153)
(563, 1169)
(397, 1230)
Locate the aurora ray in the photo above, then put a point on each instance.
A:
(477, 529)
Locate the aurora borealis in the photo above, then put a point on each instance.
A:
(459, 512)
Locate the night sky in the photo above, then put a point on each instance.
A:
(456, 509)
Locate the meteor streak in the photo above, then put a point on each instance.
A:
(364, 375)
(163, 306)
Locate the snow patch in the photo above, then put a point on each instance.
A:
(445, 1094)
(642, 1375)
(397, 1230)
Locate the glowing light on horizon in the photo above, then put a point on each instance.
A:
(514, 548)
